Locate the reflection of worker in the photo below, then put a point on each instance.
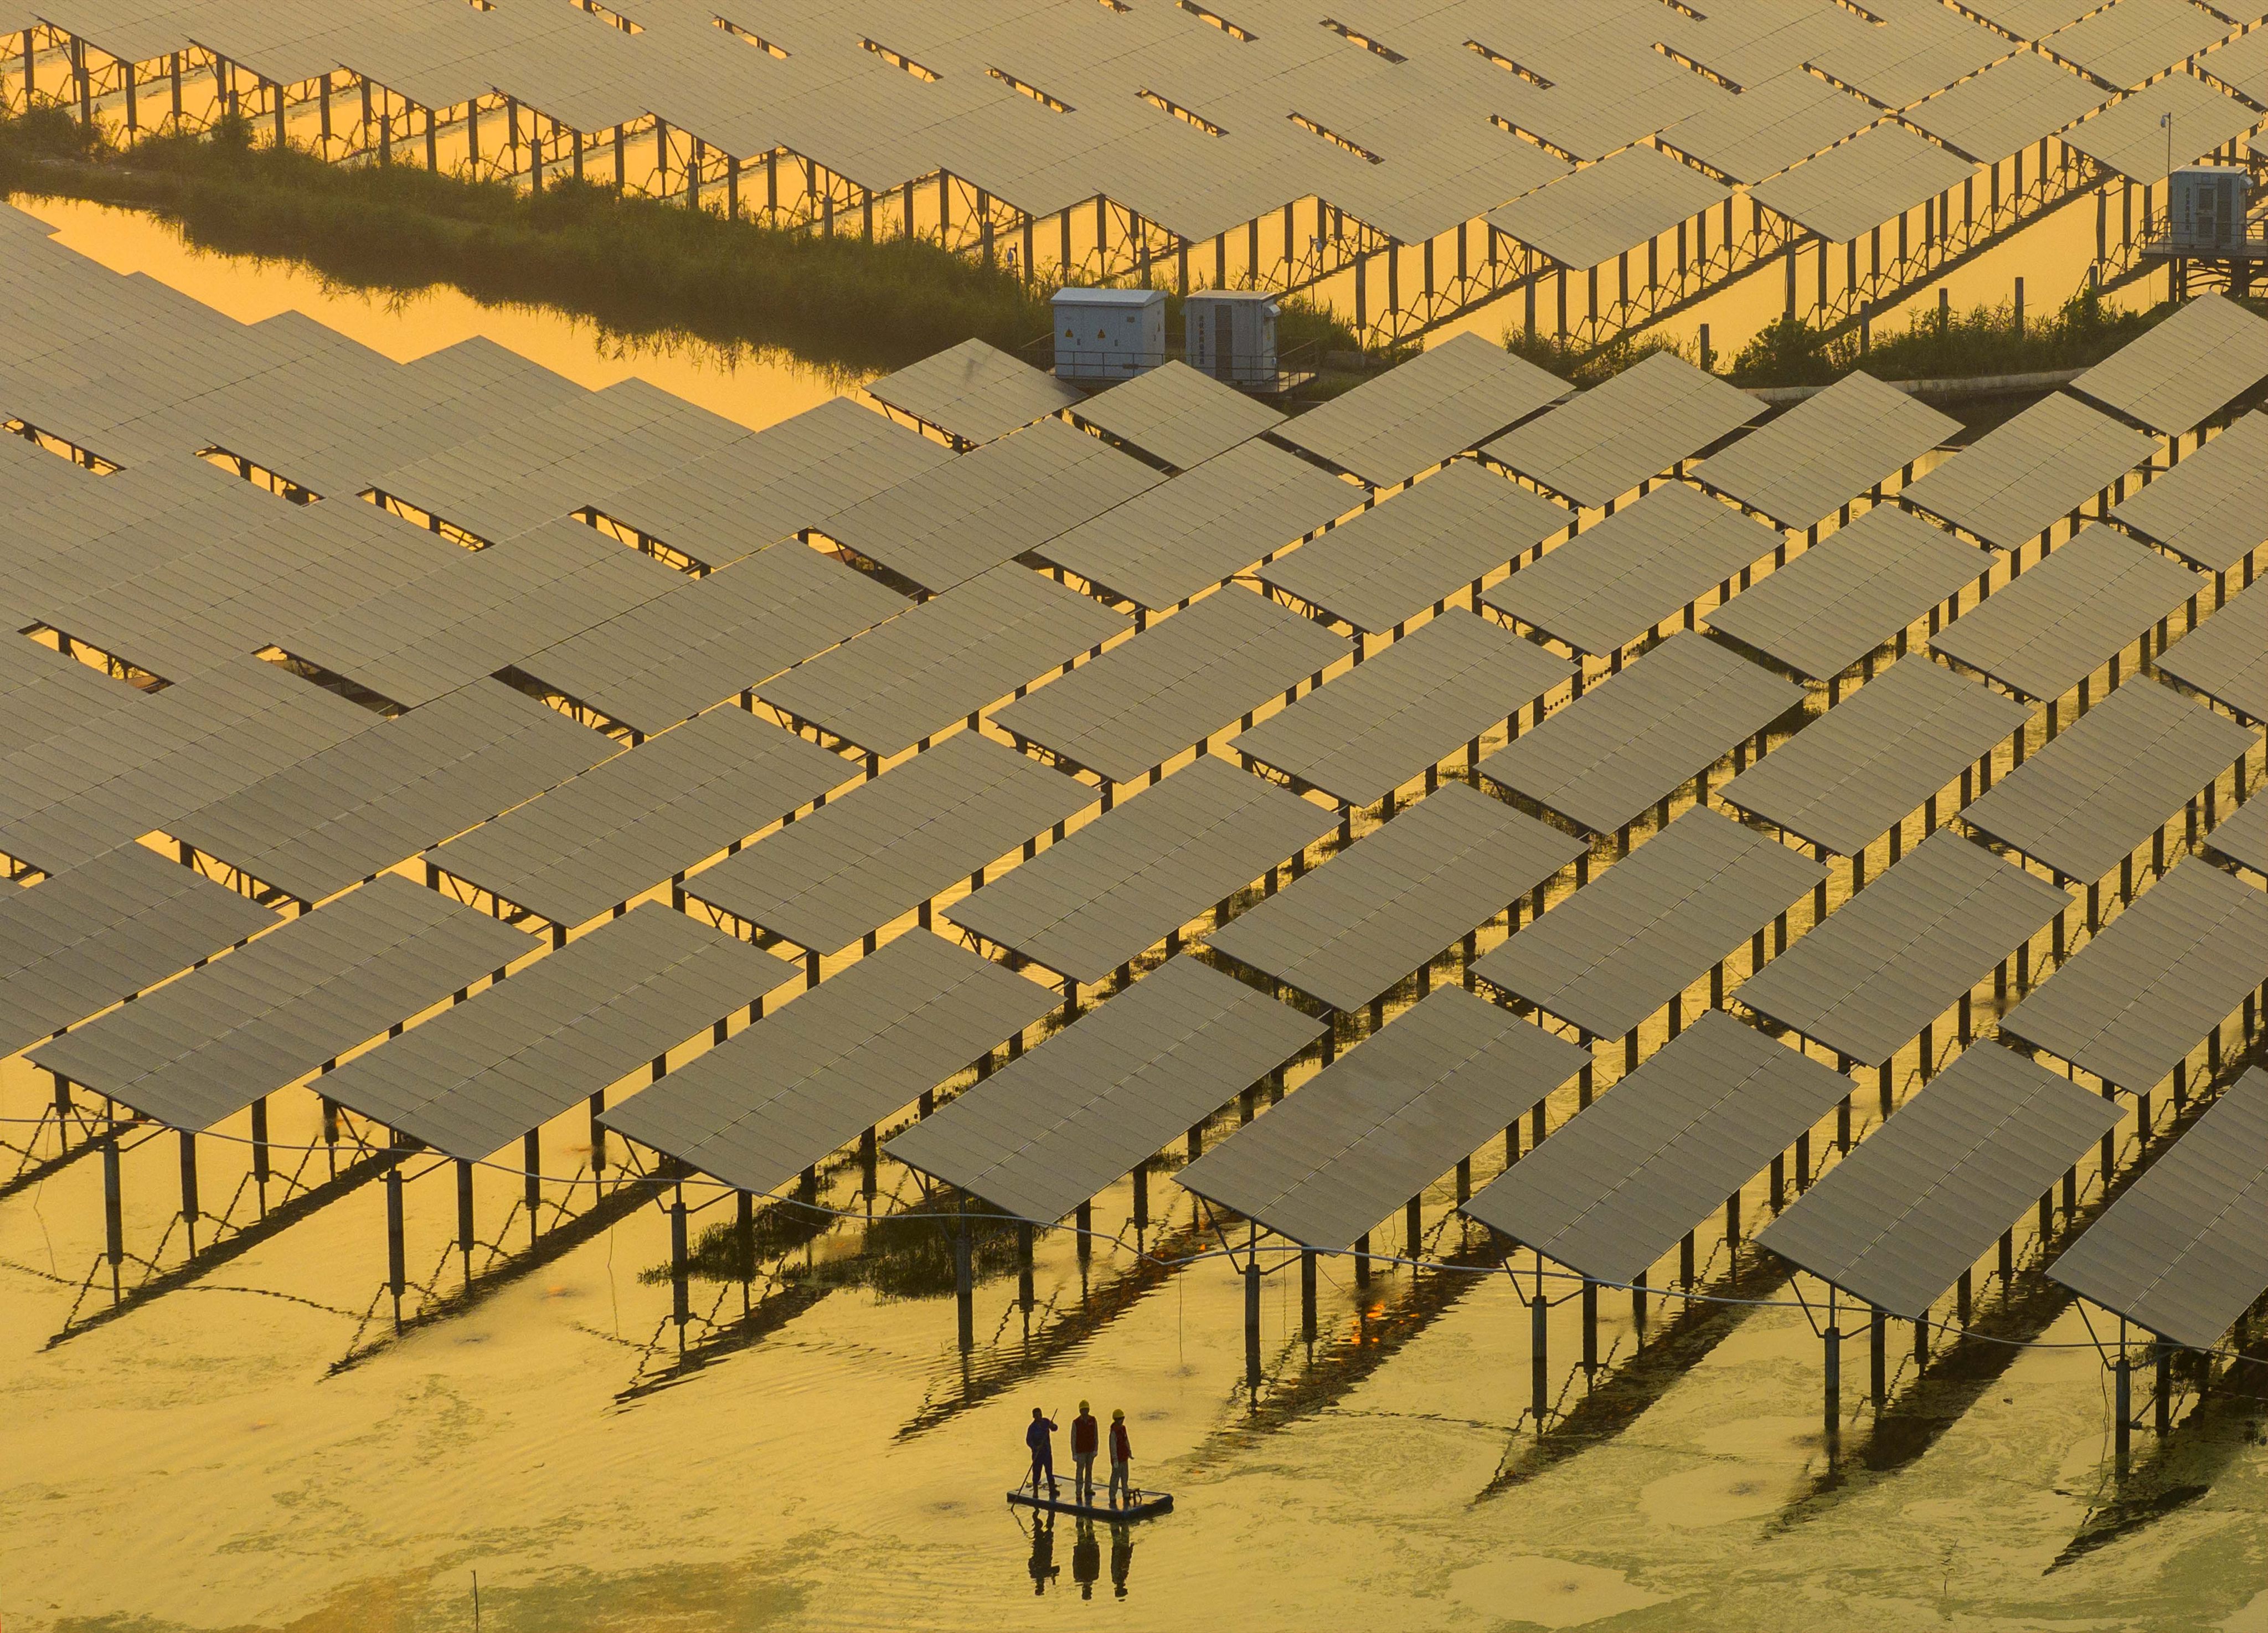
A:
(1121, 1558)
(1085, 1559)
(1086, 1441)
(1040, 1438)
(1121, 1455)
(1043, 1552)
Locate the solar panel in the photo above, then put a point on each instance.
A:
(103, 930)
(2129, 40)
(576, 1021)
(667, 659)
(1798, 468)
(2050, 630)
(1013, 494)
(1082, 1109)
(2085, 801)
(2181, 1254)
(2211, 509)
(1440, 535)
(1126, 880)
(1354, 927)
(1771, 125)
(780, 1095)
(2224, 657)
(1200, 527)
(2128, 138)
(1873, 759)
(2008, 106)
(1618, 582)
(1382, 1122)
(1841, 599)
(1617, 950)
(1608, 208)
(1897, 1221)
(878, 852)
(354, 810)
(624, 825)
(1367, 732)
(1636, 737)
(204, 1047)
(1897, 955)
(1856, 185)
(2183, 371)
(1638, 424)
(2018, 480)
(1177, 414)
(1178, 682)
(2242, 835)
(1447, 399)
(973, 392)
(952, 655)
(1619, 1185)
(2143, 993)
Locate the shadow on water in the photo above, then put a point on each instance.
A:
(1630, 1387)
(2226, 1421)
(234, 1245)
(991, 1372)
(1306, 1380)
(630, 1193)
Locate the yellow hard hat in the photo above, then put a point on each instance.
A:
(1117, 1417)
(1082, 1406)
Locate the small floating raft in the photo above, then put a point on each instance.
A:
(1142, 1505)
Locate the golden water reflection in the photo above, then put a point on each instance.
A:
(755, 388)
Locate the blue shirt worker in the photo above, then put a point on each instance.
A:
(1040, 1438)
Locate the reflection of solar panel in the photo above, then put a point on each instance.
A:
(1378, 1125)
(1899, 1220)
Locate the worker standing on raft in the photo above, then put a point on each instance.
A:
(1086, 1441)
(1040, 1438)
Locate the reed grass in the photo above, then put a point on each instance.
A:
(638, 266)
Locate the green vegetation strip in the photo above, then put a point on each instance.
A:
(637, 266)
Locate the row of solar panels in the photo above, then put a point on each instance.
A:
(582, 1016)
(1202, 121)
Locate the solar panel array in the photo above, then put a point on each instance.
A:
(286, 773)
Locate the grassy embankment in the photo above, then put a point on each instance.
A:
(638, 268)
(1935, 345)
